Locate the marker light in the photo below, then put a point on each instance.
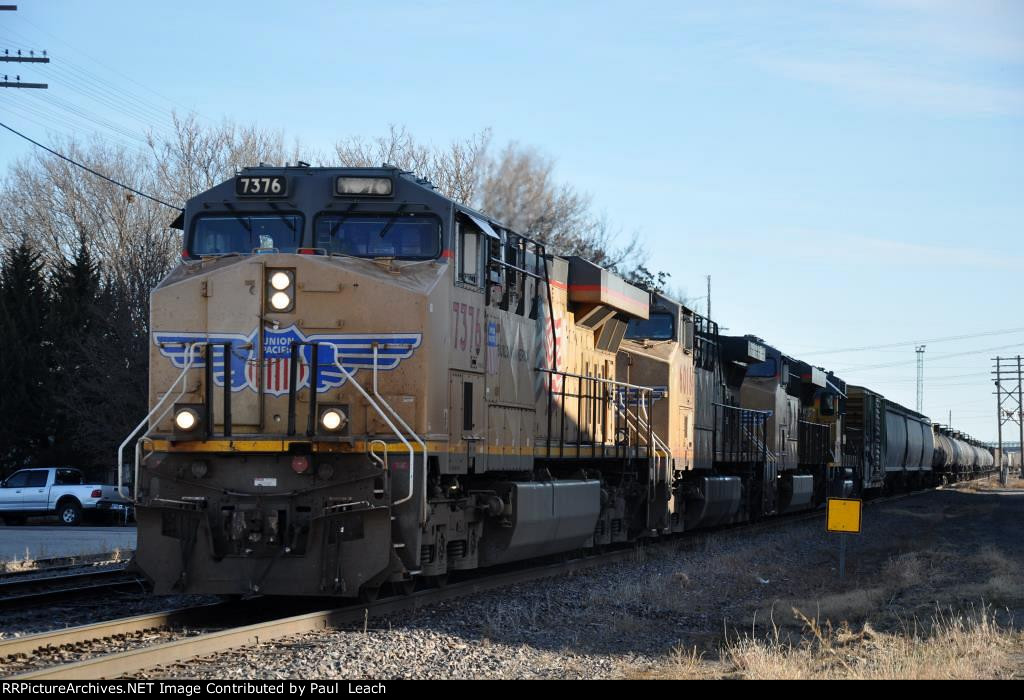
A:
(280, 301)
(300, 465)
(186, 419)
(280, 281)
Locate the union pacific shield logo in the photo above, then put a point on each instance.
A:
(352, 351)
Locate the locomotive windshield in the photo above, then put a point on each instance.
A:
(657, 327)
(402, 236)
(219, 235)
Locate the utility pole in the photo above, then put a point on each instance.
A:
(920, 377)
(1009, 378)
(18, 57)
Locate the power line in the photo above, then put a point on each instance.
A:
(938, 357)
(110, 94)
(966, 336)
(111, 90)
(19, 58)
(88, 169)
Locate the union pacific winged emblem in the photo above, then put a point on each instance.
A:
(353, 351)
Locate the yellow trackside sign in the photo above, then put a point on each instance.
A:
(843, 515)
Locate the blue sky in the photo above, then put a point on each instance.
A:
(849, 173)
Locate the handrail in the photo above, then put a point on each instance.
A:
(401, 421)
(641, 426)
(602, 380)
(189, 359)
(383, 462)
(646, 422)
(376, 407)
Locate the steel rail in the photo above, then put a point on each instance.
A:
(135, 660)
(25, 646)
(35, 590)
(127, 662)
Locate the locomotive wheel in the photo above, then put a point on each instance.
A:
(438, 581)
(368, 594)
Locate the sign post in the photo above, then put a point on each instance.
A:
(843, 516)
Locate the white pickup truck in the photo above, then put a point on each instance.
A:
(56, 490)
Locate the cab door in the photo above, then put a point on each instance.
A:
(35, 495)
(466, 430)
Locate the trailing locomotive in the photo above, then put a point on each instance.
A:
(355, 381)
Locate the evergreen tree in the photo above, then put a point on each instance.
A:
(75, 318)
(104, 384)
(25, 354)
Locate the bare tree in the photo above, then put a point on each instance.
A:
(197, 157)
(517, 187)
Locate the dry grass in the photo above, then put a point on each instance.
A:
(932, 596)
(989, 484)
(949, 646)
(13, 566)
(29, 563)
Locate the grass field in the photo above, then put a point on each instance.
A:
(935, 589)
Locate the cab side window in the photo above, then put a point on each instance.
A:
(469, 255)
(37, 477)
(686, 334)
(69, 477)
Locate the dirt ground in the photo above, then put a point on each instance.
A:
(934, 588)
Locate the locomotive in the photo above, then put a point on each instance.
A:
(356, 381)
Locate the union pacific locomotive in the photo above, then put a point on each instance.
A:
(356, 381)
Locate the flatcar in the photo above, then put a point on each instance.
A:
(356, 382)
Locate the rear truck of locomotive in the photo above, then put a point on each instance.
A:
(356, 381)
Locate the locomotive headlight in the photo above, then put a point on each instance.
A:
(280, 301)
(279, 290)
(280, 281)
(186, 419)
(333, 419)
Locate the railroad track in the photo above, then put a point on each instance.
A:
(200, 641)
(26, 590)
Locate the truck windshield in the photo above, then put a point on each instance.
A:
(402, 236)
(657, 327)
(243, 233)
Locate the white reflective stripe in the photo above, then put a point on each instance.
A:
(483, 226)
